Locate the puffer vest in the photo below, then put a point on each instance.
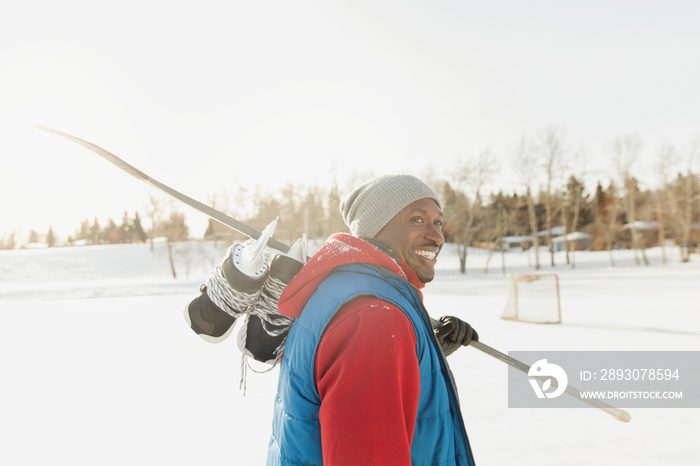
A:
(439, 436)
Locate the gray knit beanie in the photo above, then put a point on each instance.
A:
(372, 205)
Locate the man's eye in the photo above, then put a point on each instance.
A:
(417, 220)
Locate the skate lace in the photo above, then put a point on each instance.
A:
(262, 303)
(273, 322)
(226, 298)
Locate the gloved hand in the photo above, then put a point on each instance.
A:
(452, 333)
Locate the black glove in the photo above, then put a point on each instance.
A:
(452, 333)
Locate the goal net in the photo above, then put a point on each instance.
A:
(533, 298)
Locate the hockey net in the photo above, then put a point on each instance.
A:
(533, 298)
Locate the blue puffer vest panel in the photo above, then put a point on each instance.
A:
(439, 436)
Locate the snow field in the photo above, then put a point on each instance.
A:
(98, 366)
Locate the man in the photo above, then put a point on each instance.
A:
(364, 380)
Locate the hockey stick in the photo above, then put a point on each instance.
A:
(619, 414)
(136, 173)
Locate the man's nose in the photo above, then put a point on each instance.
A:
(434, 233)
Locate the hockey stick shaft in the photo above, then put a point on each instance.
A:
(136, 173)
(619, 414)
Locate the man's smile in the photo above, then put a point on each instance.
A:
(430, 255)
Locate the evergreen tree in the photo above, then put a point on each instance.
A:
(175, 228)
(8, 242)
(334, 221)
(138, 233)
(95, 232)
(210, 231)
(111, 232)
(85, 231)
(51, 237)
(125, 229)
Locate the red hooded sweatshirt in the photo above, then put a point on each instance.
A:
(366, 368)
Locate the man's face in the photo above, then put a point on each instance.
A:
(415, 234)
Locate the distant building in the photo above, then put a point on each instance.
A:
(578, 241)
(517, 242)
(648, 234)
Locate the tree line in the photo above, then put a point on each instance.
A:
(166, 222)
(550, 202)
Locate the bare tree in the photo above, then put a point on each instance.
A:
(691, 194)
(291, 212)
(677, 196)
(455, 207)
(167, 222)
(551, 146)
(525, 164)
(316, 214)
(334, 219)
(174, 229)
(574, 196)
(216, 230)
(625, 152)
(666, 200)
(155, 212)
(611, 213)
(498, 217)
(469, 177)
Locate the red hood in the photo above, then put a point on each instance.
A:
(339, 249)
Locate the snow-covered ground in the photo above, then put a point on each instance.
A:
(98, 367)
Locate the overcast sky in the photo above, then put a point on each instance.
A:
(209, 96)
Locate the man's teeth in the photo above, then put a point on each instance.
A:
(427, 254)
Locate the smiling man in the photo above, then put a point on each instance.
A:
(364, 378)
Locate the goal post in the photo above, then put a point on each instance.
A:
(533, 298)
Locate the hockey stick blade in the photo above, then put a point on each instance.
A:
(617, 413)
(195, 204)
